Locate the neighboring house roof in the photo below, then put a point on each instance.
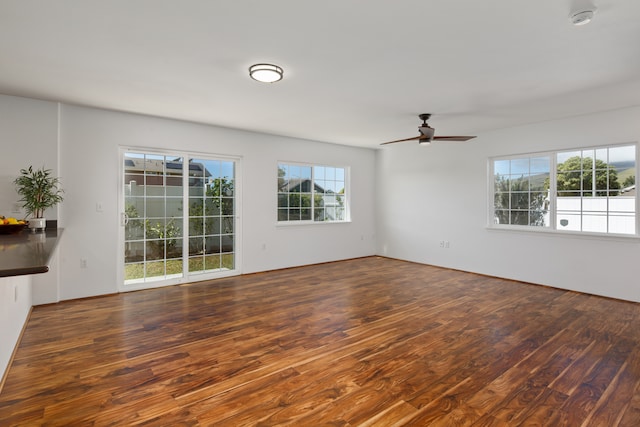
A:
(154, 165)
(299, 185)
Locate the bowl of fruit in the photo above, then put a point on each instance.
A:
(12, 225)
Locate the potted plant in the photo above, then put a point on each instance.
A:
(39, 191)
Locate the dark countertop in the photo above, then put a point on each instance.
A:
(27, 252)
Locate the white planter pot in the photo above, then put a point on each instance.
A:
(37, 223)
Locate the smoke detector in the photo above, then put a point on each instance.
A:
(582, 17)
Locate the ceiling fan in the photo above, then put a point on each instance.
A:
(427, 134)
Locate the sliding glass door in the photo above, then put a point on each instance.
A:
(179, 218)
(211, 216)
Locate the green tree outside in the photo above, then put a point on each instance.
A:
(574, 177)
(629, 181)
(218, 201)
(516, 204)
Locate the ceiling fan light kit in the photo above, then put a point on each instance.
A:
(266, 73)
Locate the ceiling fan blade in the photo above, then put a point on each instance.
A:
(453, 138)
(402, 140)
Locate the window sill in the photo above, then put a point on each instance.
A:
(629, 238)
(309, 223)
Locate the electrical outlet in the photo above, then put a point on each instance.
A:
(442, 243)
(83, 263)
(446, 244)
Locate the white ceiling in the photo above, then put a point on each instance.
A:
(357, 72)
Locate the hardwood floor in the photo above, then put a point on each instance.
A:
(365, 342)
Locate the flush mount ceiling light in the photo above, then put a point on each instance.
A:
(266, 73)
(582, 17)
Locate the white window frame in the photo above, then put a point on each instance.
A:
(347, 194)
(553, 194)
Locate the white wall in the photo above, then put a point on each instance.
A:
(81, 146)
(440, 193)
(28, 136)
(89, 141)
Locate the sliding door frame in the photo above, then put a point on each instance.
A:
(186, 277)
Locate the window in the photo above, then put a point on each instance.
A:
(311, 193)
(521, 191)
(585, 190)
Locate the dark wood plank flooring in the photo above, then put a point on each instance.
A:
(365, 342)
